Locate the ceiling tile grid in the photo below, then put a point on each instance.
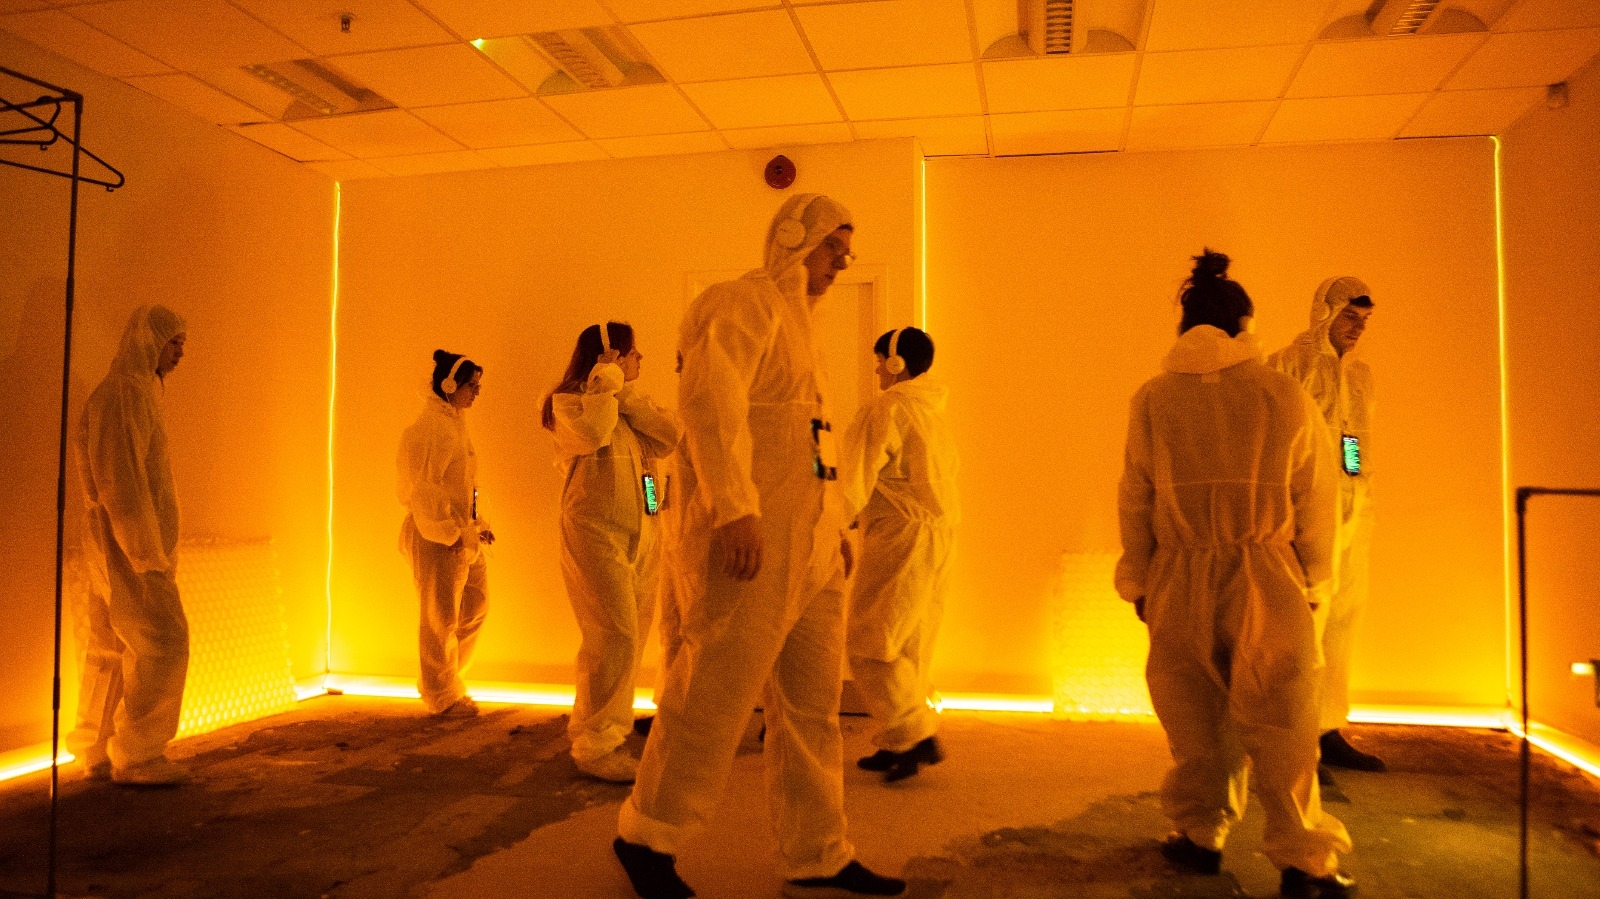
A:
(474, 83)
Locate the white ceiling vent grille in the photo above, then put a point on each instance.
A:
(1396, 18)
(1046, 25)
(301, 89)
(589, 59)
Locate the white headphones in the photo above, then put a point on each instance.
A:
(791, 232)
(449, 385)
(894, 365)
(605, 341)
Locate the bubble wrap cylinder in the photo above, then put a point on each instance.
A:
(1099, 645)
(239, 667)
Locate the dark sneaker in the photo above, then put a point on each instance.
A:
(906, 763)
(1297, 884)
(852, 880)
(882, 760)
(641, 726)
(1338, 752)
(1186, 853)
(654, 875)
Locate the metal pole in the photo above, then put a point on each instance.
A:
(61, 484)
(1526, 754)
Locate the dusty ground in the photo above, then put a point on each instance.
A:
(348, 797)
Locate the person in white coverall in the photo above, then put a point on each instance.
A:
(1322, 359)
(761, 564)
(898, 473)
(1228, 509)
(607, 432)
(131, 622)
(444, 533)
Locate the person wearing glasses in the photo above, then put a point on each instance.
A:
(762, 566)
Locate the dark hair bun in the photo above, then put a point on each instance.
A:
(1210, 265)
(440, 357)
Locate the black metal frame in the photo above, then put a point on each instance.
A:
(43, 133)
(1523, 495)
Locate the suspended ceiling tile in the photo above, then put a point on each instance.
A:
(196, 96)
(500, 123)
(1073, 131)
(348, 169)
(1094, 81)
(433, 163)
(1198, 125)
(473, 19)
(1196, 24)
(10, 6)
(1527, 59)
(291, 143)
(60, 33)
(651, 10)
(1342, 118)
(375, 24)
(429, 76)
(887, 33)
(917, 92)
(392, 132)
(192, 35)
(787, 135)
(955, 136)
(1541, 15)
(1216, 76)
(722, 48)
(1456, 113)
(664, 144)
(1384, 66)
(762, 102)
(628, 111)
(544, 154)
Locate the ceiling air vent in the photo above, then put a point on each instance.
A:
(588, 59)
(1046, 25)
(1396, 18)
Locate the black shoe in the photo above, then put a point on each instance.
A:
(654, 875)
(1186, 853)
(906, 763)
(882, 760)
(641, 726)
(852, 880)
(1338, 752)
(1297, 884)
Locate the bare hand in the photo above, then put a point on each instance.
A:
(487, 537)
(1138, 608)
(849, 553)
(741, 543)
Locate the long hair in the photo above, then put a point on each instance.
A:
(584, 356)
(1210, 297)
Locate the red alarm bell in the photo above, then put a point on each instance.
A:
(780, 172)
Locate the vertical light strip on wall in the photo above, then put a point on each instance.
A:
(922, 190)
(1507, 525)
(333, 386)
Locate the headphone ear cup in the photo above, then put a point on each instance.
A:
(790, 233)
(449, 386)
(894, 365)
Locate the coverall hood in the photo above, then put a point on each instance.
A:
(802, 222)
(925, 388)
(149, 329)
(1330, 299)
(1204, 349)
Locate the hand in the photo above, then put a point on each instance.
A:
(609, 356)
(486, 536)
(1138, 608)
(741, 542)
(849, 553)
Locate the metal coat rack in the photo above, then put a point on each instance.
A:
(39, 128)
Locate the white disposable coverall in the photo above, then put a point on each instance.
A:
(605, 438)
(131, 623)
(438, 477)
(1342, 387)
(898, 473)
(750, 387)
(1228, 513)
